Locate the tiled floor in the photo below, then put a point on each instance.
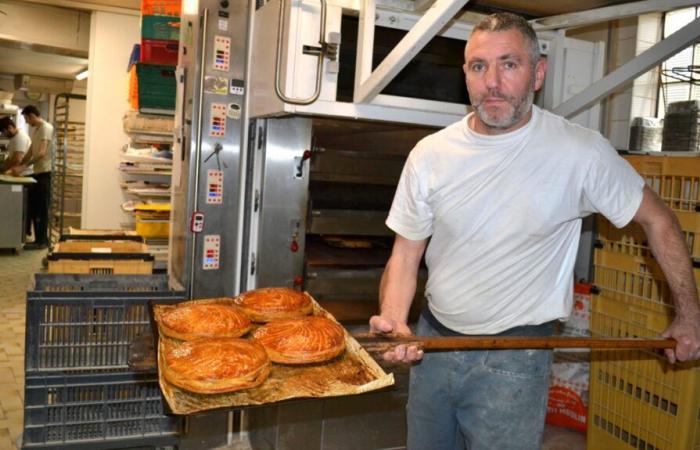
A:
(15, 274)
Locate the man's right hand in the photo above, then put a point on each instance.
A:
(400, 353)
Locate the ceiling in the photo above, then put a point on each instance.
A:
(37, 60)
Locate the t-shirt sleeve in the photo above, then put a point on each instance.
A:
(611, 187)
(44, 133)
(410, 215)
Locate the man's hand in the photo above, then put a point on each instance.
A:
(687, 334)
(16, 171)
(400, 353)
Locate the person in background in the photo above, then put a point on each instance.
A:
(18, 145)
(495, 201)
(39, 155)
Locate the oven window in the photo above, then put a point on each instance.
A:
(434, 74)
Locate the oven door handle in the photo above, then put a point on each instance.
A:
(326, 49)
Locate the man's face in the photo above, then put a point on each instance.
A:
(501, 80)
(31, 119)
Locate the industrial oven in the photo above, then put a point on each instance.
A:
(289, 145)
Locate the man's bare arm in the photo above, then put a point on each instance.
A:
(396, 292)
(670, 249)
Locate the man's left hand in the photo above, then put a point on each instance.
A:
(687, 335)
(16, 171)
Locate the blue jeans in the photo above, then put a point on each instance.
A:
(479, 400)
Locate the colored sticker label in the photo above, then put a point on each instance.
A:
(222, 53)
(217, 125)
(215, 187)
(215, 85)
(211, 252)
(223, 24)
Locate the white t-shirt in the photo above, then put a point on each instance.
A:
(43, 132)
(19, 143)
(504, 216)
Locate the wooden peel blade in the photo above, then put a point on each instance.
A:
(379, 343)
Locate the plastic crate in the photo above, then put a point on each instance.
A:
(103, 411)
(675, 178)
(631, 239)
(161, 7)
(634, 264)
(160, 27)
(78, 323)
(100, 246)
(101, 263)
(153, 228)
(636, 399)
(155, 88)
(155, 51)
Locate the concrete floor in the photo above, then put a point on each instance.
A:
(15, 276)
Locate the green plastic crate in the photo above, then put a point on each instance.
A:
(156, 88)
(160, 27)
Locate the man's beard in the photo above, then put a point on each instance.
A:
(520, 106)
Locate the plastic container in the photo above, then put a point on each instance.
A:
(79, 323)
(153, 228)
(155, 88)
(638, 400)
(160, 27)
(675, 178)
(155, 51)
(101, 263)
(100, 411)
(161, 7)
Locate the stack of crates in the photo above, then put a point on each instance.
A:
(638, 400)
(152, 78)
(119, 255)
(80, 392)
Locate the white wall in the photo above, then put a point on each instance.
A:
(112, 37)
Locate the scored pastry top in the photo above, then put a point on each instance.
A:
(267, 304)
(300, 341)
(215, 364)
(199, 319)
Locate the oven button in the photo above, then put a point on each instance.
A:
(294, 247)
(298, 280)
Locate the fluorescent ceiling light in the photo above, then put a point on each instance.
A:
(82, 75)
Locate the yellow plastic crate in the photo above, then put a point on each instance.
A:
(152, 228)
(631, 239)
(636, 399)
(85, 246)
(675, 178)
(641, 265)
(101, 266)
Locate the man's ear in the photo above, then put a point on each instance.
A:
(540, 70)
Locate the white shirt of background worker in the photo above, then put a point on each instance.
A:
(42, 148)
(19, 143)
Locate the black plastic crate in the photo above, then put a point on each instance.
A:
(96, 411)
(78, 323)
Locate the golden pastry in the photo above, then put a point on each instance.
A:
(214, 365)
(301, 341)
(268, 304)
(197, 320)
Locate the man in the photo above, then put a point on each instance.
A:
(501, 195)
(39, 155)
(18, 145)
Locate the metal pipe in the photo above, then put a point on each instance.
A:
(198, 142)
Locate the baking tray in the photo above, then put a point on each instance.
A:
(354, 372)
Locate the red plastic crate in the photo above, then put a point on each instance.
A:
(161, 7)
(156, 51)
